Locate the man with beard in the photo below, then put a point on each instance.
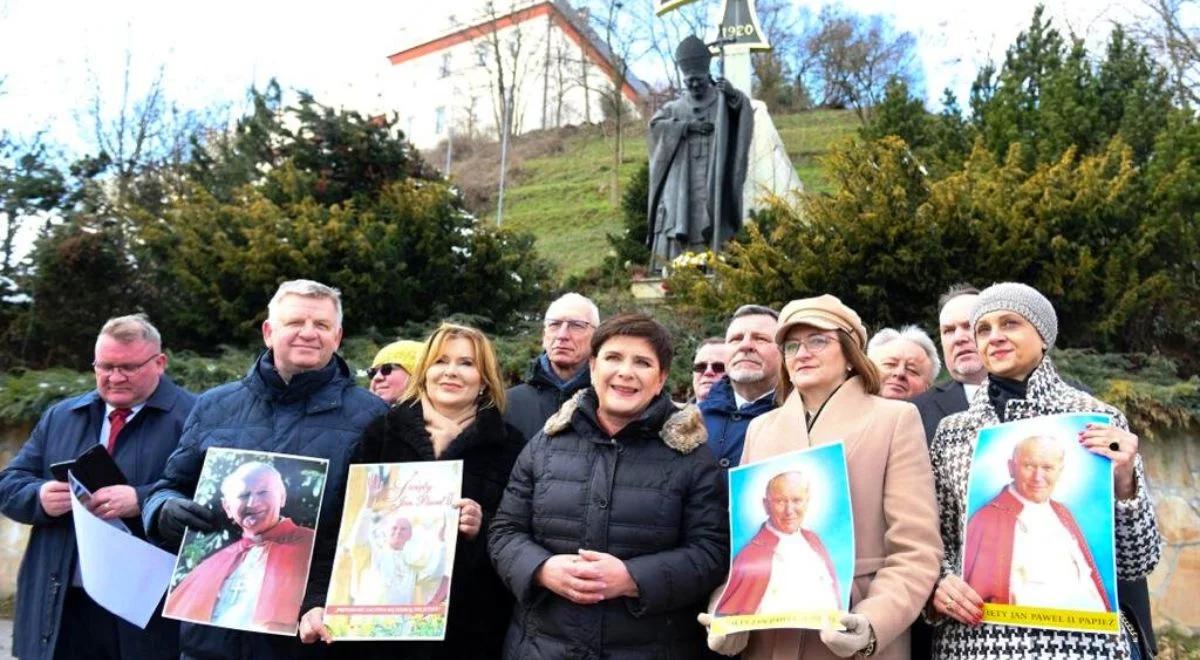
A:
(748, 388)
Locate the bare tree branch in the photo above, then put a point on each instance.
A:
(1174, 43)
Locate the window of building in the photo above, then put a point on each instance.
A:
(444, 70)
(439, 120)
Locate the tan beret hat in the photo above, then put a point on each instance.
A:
(825, 312)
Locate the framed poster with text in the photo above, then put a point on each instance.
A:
(791, 543)
(395, 554)
(1038, 545)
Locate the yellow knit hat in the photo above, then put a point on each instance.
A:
(406, 353)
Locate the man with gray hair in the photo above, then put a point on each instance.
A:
(562, 368)
(907, 361)
(137, 413)
(297, 398)
(748, 388)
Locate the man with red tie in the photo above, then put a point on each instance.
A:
(137, 413)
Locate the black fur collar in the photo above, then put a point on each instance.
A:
(406, 426)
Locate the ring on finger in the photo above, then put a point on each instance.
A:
(1114, 446)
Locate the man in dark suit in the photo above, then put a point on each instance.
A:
(962, 359)
(138, 413)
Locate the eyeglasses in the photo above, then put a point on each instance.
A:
(127, 370)
(385, 369)
(702, 367)
(813, 343)
(574, 327)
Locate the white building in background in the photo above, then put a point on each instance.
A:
(556, 69)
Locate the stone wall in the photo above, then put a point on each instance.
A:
(13, 536)
(1172, 463)
(1173, 467)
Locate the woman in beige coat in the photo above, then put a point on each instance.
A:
(829, 393)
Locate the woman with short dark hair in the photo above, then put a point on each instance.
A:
(613, 529)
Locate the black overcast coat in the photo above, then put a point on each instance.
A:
(646, 496)
(531, 403)
(479, 603)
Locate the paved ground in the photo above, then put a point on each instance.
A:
(5, 638)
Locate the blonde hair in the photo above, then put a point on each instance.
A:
(492, 394)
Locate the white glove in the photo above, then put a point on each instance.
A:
(853, 639)
(731, 644)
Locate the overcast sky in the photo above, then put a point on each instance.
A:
(55, 54)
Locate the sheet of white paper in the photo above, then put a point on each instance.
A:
(122, 573)
(84, 495)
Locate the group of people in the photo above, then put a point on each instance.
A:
(593, 521)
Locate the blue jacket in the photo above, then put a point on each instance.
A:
(726, 424)
(318, 413)
(64, 431)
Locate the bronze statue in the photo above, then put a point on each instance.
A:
(698, 150)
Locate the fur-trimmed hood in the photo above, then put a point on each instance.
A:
(682, 430)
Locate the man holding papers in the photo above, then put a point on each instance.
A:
(137, 413)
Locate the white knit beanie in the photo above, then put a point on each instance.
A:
(1022, 299)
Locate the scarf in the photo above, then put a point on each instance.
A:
(1002, 390)
(442, 430)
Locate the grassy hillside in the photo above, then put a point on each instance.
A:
(562, 192)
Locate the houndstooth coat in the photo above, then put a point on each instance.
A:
(1138, 543)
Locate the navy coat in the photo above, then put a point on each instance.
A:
(531, 403)
(318, 413)
(64, 431)
(940, 401)
(726, 425)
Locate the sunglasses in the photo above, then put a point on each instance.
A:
(385, 369)
(701, 367)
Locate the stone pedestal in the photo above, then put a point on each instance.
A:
(769, 170)
(648, 289)
(13, 535)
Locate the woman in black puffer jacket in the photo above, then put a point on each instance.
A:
(452, 410)
(613, 530)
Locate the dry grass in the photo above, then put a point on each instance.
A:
(475, 163)
(560, 182)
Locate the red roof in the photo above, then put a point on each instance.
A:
(520, 16)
